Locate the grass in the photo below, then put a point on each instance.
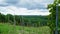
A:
(11, 29)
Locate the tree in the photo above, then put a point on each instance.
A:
(52, 16)
(9, 18)
(2, 18)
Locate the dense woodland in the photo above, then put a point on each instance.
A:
(24, 20)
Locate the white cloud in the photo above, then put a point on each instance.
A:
(1, 0)
(29, 4)
(22, 11)
(34, 3)
(37, 7)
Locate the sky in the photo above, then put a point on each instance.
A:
(25, 7)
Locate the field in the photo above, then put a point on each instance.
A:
(12, 29)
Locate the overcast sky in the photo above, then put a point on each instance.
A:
(25, 7)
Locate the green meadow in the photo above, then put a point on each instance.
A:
(13, 29)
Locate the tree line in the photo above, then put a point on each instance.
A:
(24, 20)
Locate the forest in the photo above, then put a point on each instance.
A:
(21, 19)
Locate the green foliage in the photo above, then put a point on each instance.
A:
(24, 20)
(2, 18)
(52, 16)
(10, 29)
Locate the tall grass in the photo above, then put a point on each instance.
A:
(11, 29)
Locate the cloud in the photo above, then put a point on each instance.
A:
(12, 2)
(34, 4)
(25, 7)
(3, 3)
(22, 11)
(29, 4)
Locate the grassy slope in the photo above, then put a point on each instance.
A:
(10, 29)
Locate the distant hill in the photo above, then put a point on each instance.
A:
(24, 19)
(35, 19)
